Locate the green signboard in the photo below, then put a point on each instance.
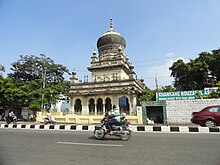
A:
(181, 95)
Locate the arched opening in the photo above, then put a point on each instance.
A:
(99, 106)
(91, 106)
(78, 107)
(108, 104)
(124, 105)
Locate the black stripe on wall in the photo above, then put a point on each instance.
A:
(213, 129)
(32, 126)
(193, 129)
(156, 128)
(51, 127)
(41, 127)
(73, 127)
(174, 129)
(85, 127)
(140, 128)
(62, 127)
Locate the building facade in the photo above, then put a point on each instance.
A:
(113, 80)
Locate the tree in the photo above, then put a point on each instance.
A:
(40, 79)
(180, 73)
(2, 69)
(148, 95)
(168, 88)
(212, 59)
(218, 91)
(194, 74)
(198, 73)
(8, 93)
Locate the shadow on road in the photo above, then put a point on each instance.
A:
(106, 138)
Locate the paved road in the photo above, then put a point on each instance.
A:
(33, 147)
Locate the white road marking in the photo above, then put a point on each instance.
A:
(91, 144)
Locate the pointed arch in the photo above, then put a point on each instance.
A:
(124, 105)
(99, 106)
(91, 106)
(108, 104)
(78, 107)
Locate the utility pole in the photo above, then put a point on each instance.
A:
(156, 83)
(44, 73)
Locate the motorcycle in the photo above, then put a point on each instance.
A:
(123, 131)
(11, 119)
(50, 120)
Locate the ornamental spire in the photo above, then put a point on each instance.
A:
(111, 24)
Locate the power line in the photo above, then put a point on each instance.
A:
(167, 58)
(184, 55)
(157, 77)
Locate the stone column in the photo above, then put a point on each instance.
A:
(103, 107)
(95, 109)
(72, 106)
(84, 107)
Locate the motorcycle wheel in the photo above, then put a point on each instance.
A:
(125, 135)
(7, 121)
(46, 122)
(99, 133)
(15, 122)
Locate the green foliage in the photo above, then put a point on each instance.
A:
(167, 88)
(10, 94)
(35, 105)
(148, 95)
(194, 74)
(2, 69)
(32, 78)
(198, 95)
(213, 60)
(218, 85)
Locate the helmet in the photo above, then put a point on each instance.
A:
(123, 115)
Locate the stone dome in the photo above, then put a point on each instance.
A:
(111, 37)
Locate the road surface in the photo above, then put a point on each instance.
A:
(42, 147)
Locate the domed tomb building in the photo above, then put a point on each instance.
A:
(113, 80)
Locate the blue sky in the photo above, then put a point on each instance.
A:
(157, 32)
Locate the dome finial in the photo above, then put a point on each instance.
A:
(111, 24)
(94, 52)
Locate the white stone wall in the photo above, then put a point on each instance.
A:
(100, 76)
(180, 111)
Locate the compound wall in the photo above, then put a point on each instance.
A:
(180, 111)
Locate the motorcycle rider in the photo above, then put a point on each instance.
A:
(49, 118)
(11, 116)
(114, 118)
(122, 117)
(49, 115)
